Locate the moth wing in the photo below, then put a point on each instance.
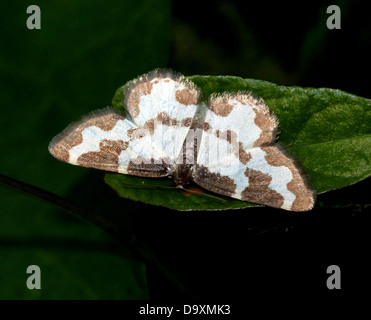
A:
(108, 141)
(264, 175)
(165, 104)
(241, 114)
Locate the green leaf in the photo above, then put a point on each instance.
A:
(163, 193)
(327, 130)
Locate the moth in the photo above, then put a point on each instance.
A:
(225, 145)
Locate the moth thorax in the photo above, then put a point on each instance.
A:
(182, 174)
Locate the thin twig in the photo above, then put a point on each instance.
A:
(56, 200)
(120, 233)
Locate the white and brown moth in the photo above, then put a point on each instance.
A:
(226, 146)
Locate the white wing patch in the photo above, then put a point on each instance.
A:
(105, 140)
(281, 176)
(165, 103)
(259, 180)
(163, 98)
(243, 114)
(92, 137)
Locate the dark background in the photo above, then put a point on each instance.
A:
(83, 53)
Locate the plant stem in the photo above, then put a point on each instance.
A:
(123, 234)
